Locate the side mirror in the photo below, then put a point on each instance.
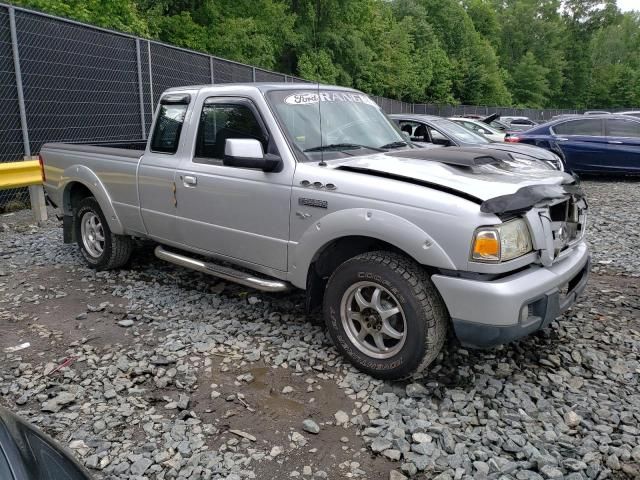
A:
(248, 153)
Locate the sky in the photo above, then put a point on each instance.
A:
(626, 5)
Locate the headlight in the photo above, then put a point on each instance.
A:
(536, 162)
(501, 242)
(558, 162)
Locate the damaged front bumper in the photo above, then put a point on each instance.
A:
(493, 312)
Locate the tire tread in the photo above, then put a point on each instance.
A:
(121, 246)
(436, 314)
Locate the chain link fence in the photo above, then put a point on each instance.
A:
(62, 80)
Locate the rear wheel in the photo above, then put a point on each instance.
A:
(101, 249)
(384, 314)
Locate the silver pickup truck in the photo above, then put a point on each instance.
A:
(280, 186)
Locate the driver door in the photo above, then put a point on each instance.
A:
(233, 212)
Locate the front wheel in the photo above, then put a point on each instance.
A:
(101, 249)
(384, 314)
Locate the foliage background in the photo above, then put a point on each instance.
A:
(524, 53)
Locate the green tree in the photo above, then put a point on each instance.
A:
(476, 75)
(582, 19)
(182, 31)
(317, 65)
(249, 31)
(432, 64)
(357, 43)
(615, 64)
(485, 19)
(529, 85)
(544, 53)
(122, 15)
(534, 26)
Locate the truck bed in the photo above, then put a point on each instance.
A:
(128, 148)
(112, 164)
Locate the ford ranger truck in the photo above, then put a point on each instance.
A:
(281, 186)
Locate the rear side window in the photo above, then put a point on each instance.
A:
(591, 127)
(522, 121)
(623, 128)
(219, 122)
(166, 135)
(408, 127)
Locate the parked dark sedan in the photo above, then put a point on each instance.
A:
(28, 454)
(429, 130)
(590, 144)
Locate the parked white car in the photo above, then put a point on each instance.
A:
(481, 128)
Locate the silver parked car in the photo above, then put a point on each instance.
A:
(314, 188)
(631, 113)
(518, 122)
(429, 131)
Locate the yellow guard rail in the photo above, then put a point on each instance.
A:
(20, 174)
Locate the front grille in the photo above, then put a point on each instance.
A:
(559, 211)
(568, 219)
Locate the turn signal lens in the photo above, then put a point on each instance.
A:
(486, 246)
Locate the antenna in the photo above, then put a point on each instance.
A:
(315, 42)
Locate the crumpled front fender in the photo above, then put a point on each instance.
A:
(364, 222)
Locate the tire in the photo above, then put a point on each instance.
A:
(100, 248)
(421, 319)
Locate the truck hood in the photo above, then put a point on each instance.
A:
(493, 174)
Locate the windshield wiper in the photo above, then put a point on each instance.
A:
(395, 145)
(341, 146)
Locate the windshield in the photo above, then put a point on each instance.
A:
(460, 133)
(352, 123)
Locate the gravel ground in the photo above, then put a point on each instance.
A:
(170, 374)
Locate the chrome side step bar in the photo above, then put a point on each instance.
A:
(225, 273)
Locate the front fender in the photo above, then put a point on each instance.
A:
(86, 176)
(364, 222)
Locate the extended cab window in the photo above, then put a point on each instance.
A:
(220, 121)
(592, 127)
(623, 128)
(166, 135)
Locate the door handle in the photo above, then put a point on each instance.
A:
(189, 181)
(561, 139)
(617, 142)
